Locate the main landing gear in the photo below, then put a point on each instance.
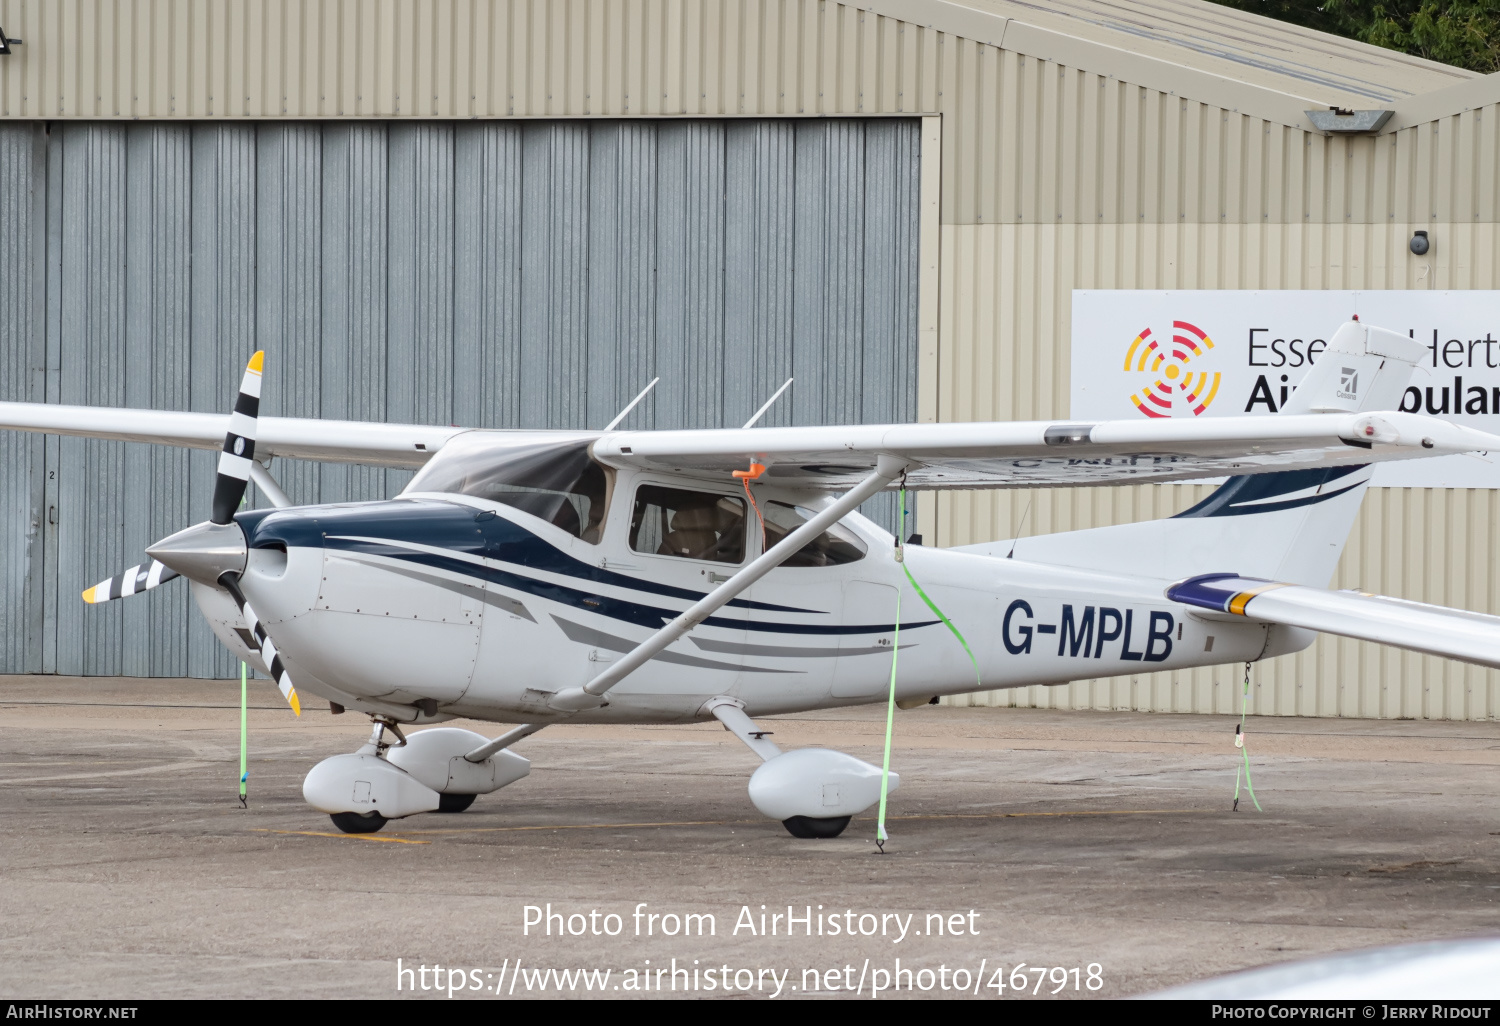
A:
(390, 779)
(813, 791)
(808, 827)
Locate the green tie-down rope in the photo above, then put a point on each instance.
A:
(1239, 742)
(244, 710)
(244, 769)
(890, 709)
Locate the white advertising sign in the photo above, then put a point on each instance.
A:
(1220, 353)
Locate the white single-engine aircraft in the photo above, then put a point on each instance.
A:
(539, 577)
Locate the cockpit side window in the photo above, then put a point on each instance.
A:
(836, 545)
(561, 484)
(688, 524)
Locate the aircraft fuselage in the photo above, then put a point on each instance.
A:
(430, 606)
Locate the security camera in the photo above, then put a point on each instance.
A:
(1418, 243)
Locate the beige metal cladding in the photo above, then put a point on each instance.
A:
(551, 58)
(1062, 123)
(1084, 144)
(1005, 317)
(458, 58)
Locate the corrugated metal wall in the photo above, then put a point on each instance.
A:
(495, 274)
(22, 508)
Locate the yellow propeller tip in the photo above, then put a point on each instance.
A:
(257, 361)
(88, 596)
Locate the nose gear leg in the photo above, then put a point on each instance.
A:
(378, 745)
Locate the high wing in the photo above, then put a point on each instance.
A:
(943, 456)
(335, 441)
(1436, 630)
(1031, 453)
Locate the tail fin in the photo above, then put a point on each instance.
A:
(1363, 369)
(1289, 526)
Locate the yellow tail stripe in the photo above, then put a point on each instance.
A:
(1239, 602)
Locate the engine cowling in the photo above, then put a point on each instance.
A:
(818, 783)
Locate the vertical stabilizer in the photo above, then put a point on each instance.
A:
(1363, 369)
(1288, 526)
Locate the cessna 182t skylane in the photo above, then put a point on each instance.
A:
(538, 577)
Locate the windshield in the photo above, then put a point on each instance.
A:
(561, 484)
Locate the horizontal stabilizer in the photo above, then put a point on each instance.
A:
(1436, 630)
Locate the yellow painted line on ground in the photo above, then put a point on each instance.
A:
(346, 837)
(585, 826)
(752, 822)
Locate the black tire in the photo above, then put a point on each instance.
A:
(807, 827)
(455, 802)
(357, 822)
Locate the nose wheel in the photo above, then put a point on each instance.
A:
(358, 822)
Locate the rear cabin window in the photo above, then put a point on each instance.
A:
(836, 545)
(561, 484)
(688, 524)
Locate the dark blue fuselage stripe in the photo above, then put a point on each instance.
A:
(450, 525)
(1233, 498)
(616, 609)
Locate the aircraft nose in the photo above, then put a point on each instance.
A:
(203, 552)
(284, 565)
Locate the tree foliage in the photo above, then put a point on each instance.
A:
(1465, 33)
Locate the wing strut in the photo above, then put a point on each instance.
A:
(268, 486)
(504, 741)
(887, 469)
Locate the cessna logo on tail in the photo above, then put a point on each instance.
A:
(1348, 383)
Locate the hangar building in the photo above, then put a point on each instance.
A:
(515, 212)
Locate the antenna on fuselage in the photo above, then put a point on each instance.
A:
(762, 411)
(1021, 527)
(622, 414)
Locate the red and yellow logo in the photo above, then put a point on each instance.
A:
(1178, 389)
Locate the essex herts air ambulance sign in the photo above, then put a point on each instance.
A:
(1225, 353)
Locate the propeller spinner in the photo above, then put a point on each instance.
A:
(213, 553)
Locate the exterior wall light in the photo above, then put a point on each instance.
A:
(1342, 121)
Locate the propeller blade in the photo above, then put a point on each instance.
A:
(139, 578)
(239, 444)
(271, 659)
(263, 642)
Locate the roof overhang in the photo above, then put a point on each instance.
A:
(1289, 108)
